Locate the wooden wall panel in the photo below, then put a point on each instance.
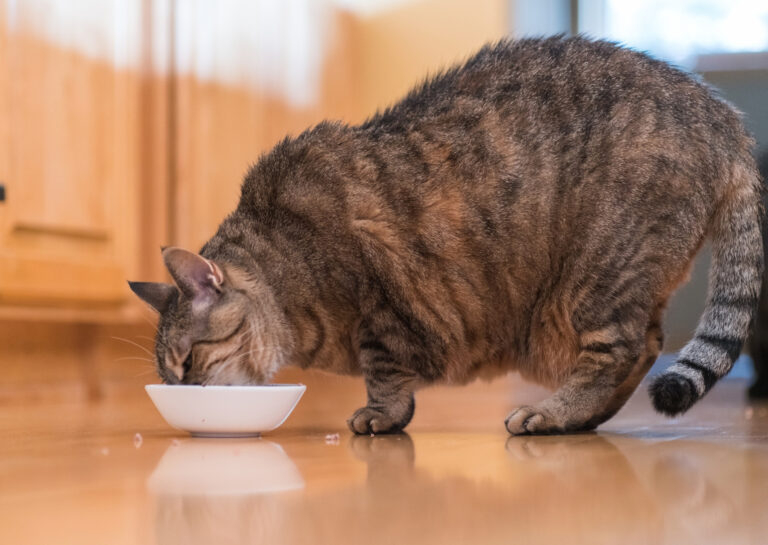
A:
(154, 207)
(221, 128)
(73, 362)
(5, 129)
(68, 231)
(397, 48)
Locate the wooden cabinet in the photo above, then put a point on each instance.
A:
(129, 124)
(70, 130)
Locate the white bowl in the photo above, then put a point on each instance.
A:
(225, 411)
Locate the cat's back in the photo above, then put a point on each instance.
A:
(550, 82)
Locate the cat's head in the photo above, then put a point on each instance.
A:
(210, 329)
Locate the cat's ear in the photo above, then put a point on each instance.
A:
(196, 276)
(155, 294)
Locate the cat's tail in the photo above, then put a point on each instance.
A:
(734, 287)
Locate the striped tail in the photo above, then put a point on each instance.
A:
(734, 287)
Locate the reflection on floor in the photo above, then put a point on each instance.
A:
(77, 474)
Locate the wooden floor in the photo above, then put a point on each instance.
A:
(77, 473)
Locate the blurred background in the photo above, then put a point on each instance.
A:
(127, 125)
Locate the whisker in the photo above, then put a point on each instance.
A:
(135, 358)
(147, 319)
(152, 323)
(244, 354)
(257, 336)
(238, 357)
(153, 339)
(143, 373)
(250, 338)
(213, 378)
(134, 344)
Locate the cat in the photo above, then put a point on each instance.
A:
(531, 209)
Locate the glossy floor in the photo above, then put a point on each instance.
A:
(79, 474)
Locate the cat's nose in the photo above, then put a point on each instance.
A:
(175, 366)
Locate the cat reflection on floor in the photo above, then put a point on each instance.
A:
(622, 489)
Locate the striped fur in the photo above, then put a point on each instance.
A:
(734, 288)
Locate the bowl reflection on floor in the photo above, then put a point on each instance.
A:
(221, 491)
(221, 467)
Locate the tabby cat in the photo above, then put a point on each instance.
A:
(531, 209)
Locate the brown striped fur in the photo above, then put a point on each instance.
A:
(531, 209)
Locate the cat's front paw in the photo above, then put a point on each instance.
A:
(532, 421)
(369, 420)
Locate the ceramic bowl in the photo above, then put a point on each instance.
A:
(225, 411)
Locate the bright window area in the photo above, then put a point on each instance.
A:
(680, 30)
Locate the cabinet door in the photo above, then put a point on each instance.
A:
(68, 142)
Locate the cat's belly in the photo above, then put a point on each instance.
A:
(552, 351)
(486, 371)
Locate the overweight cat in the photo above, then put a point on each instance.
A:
(531, 210)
